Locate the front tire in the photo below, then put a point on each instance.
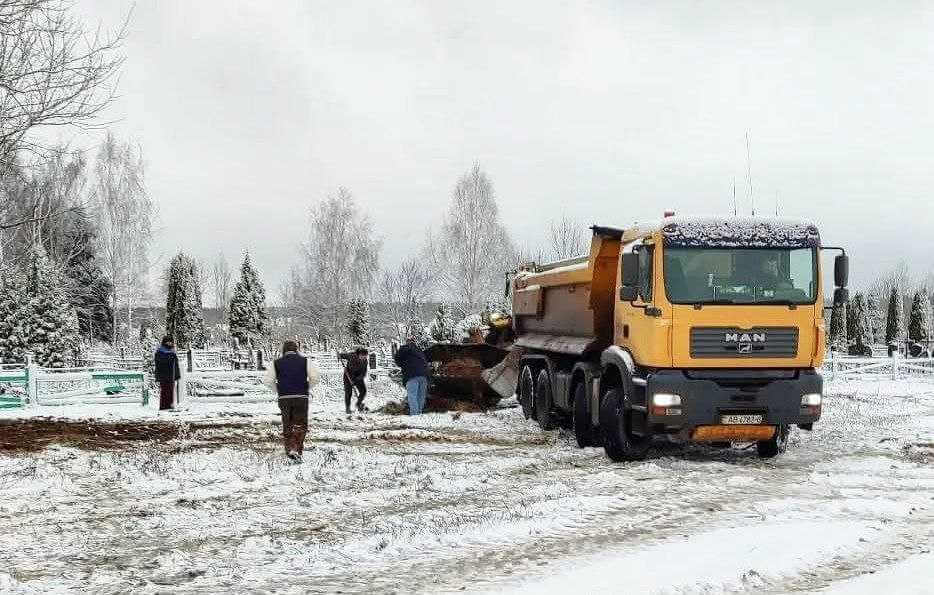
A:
(526, 391)
(616, 422)
(544, 405)
(775, 445)
(584, 431)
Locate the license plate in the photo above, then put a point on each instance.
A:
(741, 419)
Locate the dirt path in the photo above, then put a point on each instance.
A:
(480, 503)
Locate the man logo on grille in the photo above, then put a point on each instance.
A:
(744, 338)
(744, 348)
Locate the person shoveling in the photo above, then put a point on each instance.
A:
(355, 369)
(292, 376)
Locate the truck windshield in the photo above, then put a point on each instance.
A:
(741, 275)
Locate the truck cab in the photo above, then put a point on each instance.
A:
(697, 329)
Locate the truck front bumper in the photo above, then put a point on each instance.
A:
(711, 401)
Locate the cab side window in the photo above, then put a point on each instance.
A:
(645, 273)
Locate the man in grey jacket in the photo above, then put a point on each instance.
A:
(292, 376)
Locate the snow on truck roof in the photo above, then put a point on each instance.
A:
(724, 232)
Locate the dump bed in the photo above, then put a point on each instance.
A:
(567, 306)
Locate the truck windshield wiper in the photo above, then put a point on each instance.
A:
(777, 302)
(719, 302)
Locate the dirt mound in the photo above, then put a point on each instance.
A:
(37, 433)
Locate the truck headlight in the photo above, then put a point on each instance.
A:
(665, 400)
(811, 400)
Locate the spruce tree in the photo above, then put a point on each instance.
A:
(442, 327)
(893, 322)
(12, 302)
(858, 330)
(184, 319)
(836, 338)
(90, 288)
(358, 323)
(919, 319)
(247, 312)
(49, 320)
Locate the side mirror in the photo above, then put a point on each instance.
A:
(841, 270)
(841, 296)
(629, 276)
(628, 293)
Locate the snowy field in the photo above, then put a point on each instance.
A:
(202, 501)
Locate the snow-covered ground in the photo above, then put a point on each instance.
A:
(476, 502)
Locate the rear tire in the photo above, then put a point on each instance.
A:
(776, 445)
(583, 426)
(526, 391)
(544, 405)
(616, 422)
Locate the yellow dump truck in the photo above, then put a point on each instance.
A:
(698, 329)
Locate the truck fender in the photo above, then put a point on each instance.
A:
(616, 361)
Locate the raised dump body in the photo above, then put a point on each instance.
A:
(698, 329)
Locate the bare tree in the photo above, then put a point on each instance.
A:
(473, 250)
(53, 72)
(221, 281)
(125, 215)
(567, 238)
(403, 290)
(341, 260)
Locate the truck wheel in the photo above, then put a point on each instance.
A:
(526, 391)
(774, 446)
(544, 406)
(583, 426)
(615, 421)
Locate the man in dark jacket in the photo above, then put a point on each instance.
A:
(167, 372)
(358, 362)
(414, 365)
(292, 377)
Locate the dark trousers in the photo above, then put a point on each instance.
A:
(348, 392)
(166, 394)
(294, 423)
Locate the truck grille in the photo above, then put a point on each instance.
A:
(725, 342)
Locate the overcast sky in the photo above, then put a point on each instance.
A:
(248, 112)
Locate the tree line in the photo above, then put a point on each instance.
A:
(895, 310)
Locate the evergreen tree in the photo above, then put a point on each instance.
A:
(184, 319)
(416, 328)
(358, 323)
(858, 330)
(442, 327)
(893, 322)
(919, 320)
(90, 289)
(49, 320)
(836, 338)
(247, 313)
(12, 301)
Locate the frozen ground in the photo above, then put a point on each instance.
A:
(470, 502)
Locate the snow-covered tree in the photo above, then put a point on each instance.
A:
(836, 338)
(858, 330)
(919, 320)
(248, 319)
(341, 262)
(442, 326)
(416, 328)
(893, 321)
(472, 252)
(12, 331)
(184, 318)
(49, 323)
(358, 323)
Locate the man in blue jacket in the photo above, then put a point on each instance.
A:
(167, 372)
(414, 365)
